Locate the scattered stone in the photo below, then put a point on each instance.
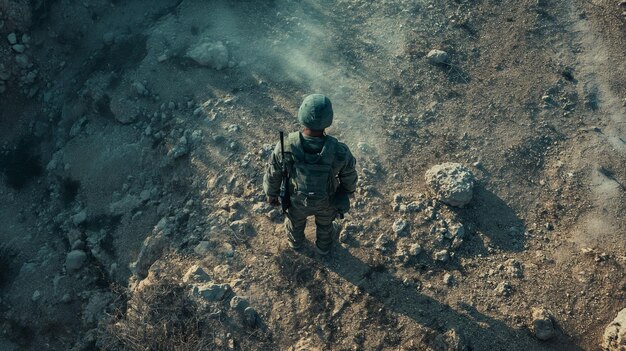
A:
(210, 291)
(22, 60)
(273, 214)
(181, 149)
(514, 268)
(75, 260)
(66, 298)
(397, 200)
(196, 274)
(151, 249)
(449, 341)
(241, 227)
(504, 288)
(438, 57)
(202, 248)
(456, 230)
(542, 324)
(108, 38)
(25, 38)
(383, 242)
(36, 296)
(415, 206)
(79, 218)
(401, 227)
(214, 55)
(442, 255)
(12, 38)
(239, 303)
(125, 205)
(614, 338)
(228, 250)
(250, 317)
(140, 89)
(448, 279)
(452, 183)
(415, 249)
(19, 48)
(78, 245)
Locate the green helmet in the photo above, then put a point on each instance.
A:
(316, 112)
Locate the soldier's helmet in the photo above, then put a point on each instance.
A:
(316, 112)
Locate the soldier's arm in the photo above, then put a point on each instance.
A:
(273, 174)
(347, 174)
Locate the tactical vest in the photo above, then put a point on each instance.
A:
(313, 175)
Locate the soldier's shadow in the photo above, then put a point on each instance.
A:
(480, 331)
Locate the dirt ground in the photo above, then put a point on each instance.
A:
(126, 159)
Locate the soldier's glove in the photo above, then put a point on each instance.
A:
(273, 200)
(341, 202)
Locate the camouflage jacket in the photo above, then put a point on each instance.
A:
(343, 164)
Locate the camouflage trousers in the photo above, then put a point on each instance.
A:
(295, 221)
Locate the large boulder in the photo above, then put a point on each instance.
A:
(614, 338)
(451, 183)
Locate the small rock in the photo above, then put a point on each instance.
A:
(75, 260)
(415, 249)
(125, 205)
(397, 198)
(542, 325)
(78, 245)
(210, 291)
(504, 288)
(19, 48)
(448, 279)
(239, 303)
(242, 227)
(79, 218)
(449, 341)
(140, 89)
(514, 268)
(202, 248)
(401, 227)
(108, 38)
(181, 149)
(66, 298)
(22, 60)
(12, 38)
(250, 317)
(273, 214)
(383, 242)
(438, 57)
(36, 296)
(214, 55)
(456, 230)
(415, 206)
(442, 255)
(196, 274)
(25, 38)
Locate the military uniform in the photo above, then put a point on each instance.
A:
(319, 168)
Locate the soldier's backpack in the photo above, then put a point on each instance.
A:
(312, 175)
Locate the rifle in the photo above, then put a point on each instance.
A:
(284, 196)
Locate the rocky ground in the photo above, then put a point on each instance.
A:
(134, 137)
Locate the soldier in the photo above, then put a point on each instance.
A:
(322, 175)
